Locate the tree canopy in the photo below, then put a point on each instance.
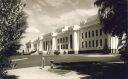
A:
(113, 16)
(12, 26)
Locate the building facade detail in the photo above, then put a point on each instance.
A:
(88, 37)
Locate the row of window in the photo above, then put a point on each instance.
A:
(62, 40)
(94, 43)
(92, 33)
(45, 44)
(65, 40)
(64, 46)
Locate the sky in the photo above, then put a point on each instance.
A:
(45, 16)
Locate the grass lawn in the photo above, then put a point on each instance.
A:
(96, 70)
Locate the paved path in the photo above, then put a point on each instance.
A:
(37, 73)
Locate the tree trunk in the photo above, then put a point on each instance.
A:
(125, 51)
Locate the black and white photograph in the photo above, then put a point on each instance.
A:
(63, 39)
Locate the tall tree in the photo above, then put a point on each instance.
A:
(113, 17)
(12, 26)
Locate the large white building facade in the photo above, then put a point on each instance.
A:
(67, 40)
(48, 43)
(92, 39)
(85, 38)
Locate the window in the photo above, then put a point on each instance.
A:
(71, 44)
(89, 34)
(82, 36)
(66, 39)
(100, 31)
(44, 45)
(100, 42)
(96, 43)
(63, 40)
(66, 46)
(60, 40)
(82, 44)
(96, 32)
(89, 43)
(92, 33)
(85, 34)
(92, 43)
(61, 46)
(86, 45)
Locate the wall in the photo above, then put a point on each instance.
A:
(84, 41)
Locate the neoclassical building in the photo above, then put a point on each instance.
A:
(48, 43)
(85, 38)
(93, 39)
(67, 40)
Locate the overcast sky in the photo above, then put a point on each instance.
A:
(46, 15)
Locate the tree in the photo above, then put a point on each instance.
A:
(113, 17)
(12, 26)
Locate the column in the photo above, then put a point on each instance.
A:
(116, 40)
(111, 44)
(54, 43)
(76, 45)
(32, 47)
(41, 46)
(38, 45)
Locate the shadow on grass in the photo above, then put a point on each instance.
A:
(10, 77)
(98, 70)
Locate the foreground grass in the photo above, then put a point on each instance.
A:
(99, 70)
(95, 70)
(10, 77)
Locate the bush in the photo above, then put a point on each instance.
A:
(56, 52)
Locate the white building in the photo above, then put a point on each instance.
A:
(93, 39)
(29, 47)
(67, 40)
(88, 37)
(49, 43)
